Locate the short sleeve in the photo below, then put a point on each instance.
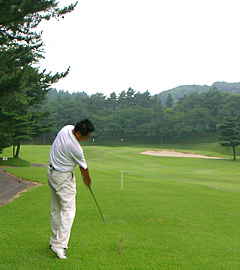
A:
(77, 155)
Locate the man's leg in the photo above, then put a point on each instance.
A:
(68, 211)
(64, 192)
(55, 218)
(55, 208)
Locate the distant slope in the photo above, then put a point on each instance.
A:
(180, 91)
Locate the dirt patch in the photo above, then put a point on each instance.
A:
(11, 186)
(169, 153)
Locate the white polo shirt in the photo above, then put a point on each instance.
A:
(66, 152)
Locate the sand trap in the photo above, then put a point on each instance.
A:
(168, 153)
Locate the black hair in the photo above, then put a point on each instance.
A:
(84, 126)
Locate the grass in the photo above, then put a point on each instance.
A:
(13, 162)
(180, 213)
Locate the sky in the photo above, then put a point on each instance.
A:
(154, 45)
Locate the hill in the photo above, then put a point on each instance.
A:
(180, 91)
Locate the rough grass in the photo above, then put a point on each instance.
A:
(171, 213)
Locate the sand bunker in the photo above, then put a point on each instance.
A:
(168, 153)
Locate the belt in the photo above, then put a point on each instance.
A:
(51, 166)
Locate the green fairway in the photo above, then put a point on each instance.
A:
(164, 212)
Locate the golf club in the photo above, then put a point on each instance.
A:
(97, 205)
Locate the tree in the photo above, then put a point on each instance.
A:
(112, 101)
(20, 81)
(214, 101)
(144, 100)
(229, 134)
(169, 101)
(122, 99)
(20, 44)
(233, 106)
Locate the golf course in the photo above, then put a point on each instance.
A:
(161, 212)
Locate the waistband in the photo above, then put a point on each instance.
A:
(51, 166)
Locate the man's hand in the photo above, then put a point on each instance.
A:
(87, 182)
(85, 176)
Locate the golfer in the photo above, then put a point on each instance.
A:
(65, 154)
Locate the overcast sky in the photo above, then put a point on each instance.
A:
(152, 45)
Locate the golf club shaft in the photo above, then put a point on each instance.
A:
(97, 205)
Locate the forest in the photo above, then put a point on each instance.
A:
(139, 117)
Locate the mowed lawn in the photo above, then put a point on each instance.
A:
(166, 212)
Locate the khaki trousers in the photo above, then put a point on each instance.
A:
(63, 207)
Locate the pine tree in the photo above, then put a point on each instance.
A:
(22, 86)
(229, 134)
(169, 101)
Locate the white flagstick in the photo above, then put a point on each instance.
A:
(121, 179)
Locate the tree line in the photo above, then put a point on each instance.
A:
(140, 117)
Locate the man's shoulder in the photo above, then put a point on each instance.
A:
(68, 127)
(66, 130)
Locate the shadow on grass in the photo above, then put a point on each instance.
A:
(14, 162)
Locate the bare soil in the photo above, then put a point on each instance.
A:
(168, 153)
(11, 186)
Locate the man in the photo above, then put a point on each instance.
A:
(65, 154)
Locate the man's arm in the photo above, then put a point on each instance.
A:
(86, 176)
